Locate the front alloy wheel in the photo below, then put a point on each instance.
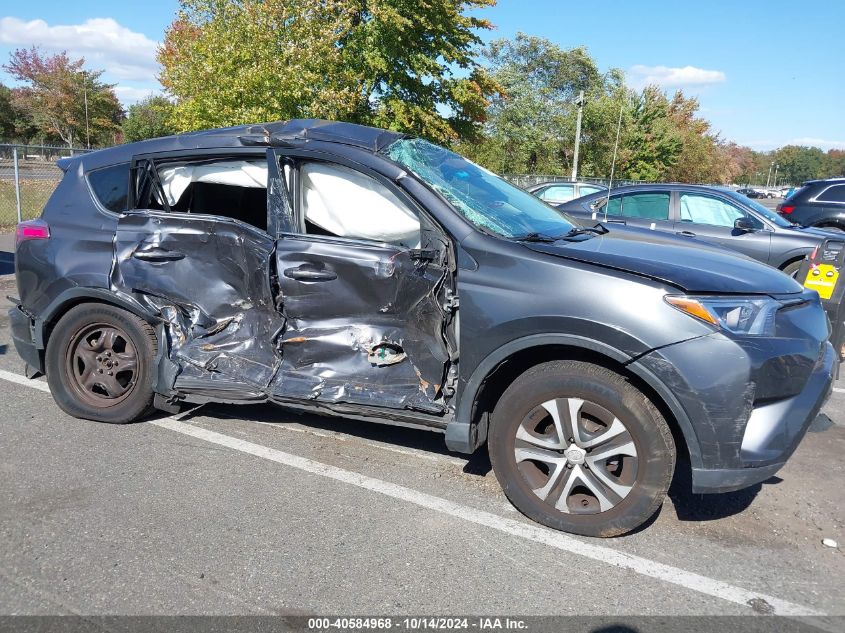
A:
(576, 456)
(579, 448)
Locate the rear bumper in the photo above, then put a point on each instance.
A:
(22, 337)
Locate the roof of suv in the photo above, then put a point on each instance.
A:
(823, 181)
(277, 133)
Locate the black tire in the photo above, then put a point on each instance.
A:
(792, 269)
(606, 391)
(68, 343)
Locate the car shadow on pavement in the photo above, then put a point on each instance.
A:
(400, 436)
(690, 506)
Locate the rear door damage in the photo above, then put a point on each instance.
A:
(286, 316)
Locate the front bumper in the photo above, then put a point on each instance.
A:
(749, 402)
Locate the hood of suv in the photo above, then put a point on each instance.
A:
(693, 269)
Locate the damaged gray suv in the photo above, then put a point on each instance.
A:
(362, 273)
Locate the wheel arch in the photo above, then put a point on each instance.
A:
(835, 222)
(479, 395)
(73, 297)
(792, 259)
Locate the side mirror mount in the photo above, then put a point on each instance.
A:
(744, 224)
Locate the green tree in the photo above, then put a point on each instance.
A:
(149, 118)
(652, 143)
(797, 164)
(8, 114)
(531, 122)
(64, 101)
(397, 64)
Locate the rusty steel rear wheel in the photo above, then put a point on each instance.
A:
(99, 364)
(102, 363)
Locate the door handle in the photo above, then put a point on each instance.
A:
(303, 273)
(157, 254)
(686, 233)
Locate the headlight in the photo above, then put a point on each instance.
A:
(749, 316)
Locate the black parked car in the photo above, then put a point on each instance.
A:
(751, 193)
(560, 192)
(325, 267)
(711, 214)
(818, 203)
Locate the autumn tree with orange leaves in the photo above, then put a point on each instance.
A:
(56, 93)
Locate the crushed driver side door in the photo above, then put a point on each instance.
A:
(367, 323)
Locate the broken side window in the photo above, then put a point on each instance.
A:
(232, 188)
(342, 202)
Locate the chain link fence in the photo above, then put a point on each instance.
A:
(28, 176)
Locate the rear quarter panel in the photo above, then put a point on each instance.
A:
(79, 252)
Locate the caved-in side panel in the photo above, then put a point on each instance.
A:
(209, 280)
(365, 325)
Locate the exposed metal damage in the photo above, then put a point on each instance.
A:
(239, 325)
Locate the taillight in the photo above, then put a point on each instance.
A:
(31, 230)
(787, 208)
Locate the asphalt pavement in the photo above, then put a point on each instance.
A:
(255, 510)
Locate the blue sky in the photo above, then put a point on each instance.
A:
(767, 73)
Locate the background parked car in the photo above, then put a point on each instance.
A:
(560, 192)
(751, 193)
(711, 214)
(785, 192)
(818, 203)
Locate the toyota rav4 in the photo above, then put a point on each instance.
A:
(366, 274)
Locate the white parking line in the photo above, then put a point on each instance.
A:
(529, 532)
(838, 390)
(22, 380)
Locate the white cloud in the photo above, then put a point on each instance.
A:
(817, 142)
(128, 95)
(124, 54)
(667, 76)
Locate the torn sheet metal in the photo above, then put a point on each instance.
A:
(209, 280)
(371, 299)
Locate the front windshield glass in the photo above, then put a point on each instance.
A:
(770, 215)
(483, 198)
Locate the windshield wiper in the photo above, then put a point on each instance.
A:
(598, 229)
(535, 237)
(574, 232)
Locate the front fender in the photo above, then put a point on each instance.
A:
(464, 435)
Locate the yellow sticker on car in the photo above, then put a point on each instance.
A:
(822, 278)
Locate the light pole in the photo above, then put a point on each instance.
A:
(775, 181)
(85, 97)
(580, 103)
(769, 176)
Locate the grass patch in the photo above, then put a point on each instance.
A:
(34, 195)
